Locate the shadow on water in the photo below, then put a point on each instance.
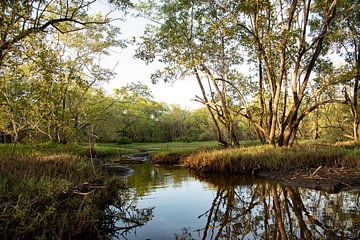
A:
(175, 204)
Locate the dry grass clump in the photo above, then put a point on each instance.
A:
(173, 157)
(348, 144)
(248, 159)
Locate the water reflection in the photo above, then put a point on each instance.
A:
(126, 217)
(271, 211)
(184, 206)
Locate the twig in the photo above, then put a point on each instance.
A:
(311, 175)
(84, 194)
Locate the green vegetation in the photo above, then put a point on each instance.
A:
(169, 152)
(248, 159)
(54, 197)
(293, 88)
(264, 66)
(54, 113)
(105, 151)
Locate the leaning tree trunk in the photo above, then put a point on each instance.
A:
(206, 102)
(293, 119)
(356, 111)
(227, 116)
(355, 93)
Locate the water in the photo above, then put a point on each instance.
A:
(172, 203)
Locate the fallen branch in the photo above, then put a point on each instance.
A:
(83, 194)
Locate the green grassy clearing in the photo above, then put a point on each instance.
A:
(110, 150)
(104, 150)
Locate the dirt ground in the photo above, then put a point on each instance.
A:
(322, 178)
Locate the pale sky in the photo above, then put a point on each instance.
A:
(129, 70)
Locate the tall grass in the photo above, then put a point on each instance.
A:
(247, 159)
(40, 197)
(41, 149)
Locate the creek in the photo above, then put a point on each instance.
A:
(174, 203)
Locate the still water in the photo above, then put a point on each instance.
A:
(173, 203)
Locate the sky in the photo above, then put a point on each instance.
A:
(128, 69)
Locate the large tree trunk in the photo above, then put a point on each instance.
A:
(293, 119)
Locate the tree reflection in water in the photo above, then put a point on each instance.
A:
(236, 208)
(126, 217)
(269, 211)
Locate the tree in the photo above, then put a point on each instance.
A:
(194, 38)
(347, 44)
(288, 58)
(50, 70)
(285, 40)
(21, 19)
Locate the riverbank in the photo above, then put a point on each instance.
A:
(326, 167)
(55, 196)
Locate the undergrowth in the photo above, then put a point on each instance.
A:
(50, 197)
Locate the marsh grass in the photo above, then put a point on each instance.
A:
(171, 156)
(176, 153)
(41, 149)
(265, 157)
(38, 197)
(111, 150)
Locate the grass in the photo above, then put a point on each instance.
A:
(104, 150)
(41, 149)
(49, 196)
(265, 157)
(173, 153)
(109, 150)
(45, 188)
(164, 153)
(172, 156)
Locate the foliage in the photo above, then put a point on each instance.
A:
(39, 198)
(287, 50)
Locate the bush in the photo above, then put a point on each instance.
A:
(123, 140)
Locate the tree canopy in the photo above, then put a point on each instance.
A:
(266, 70)
(286, 46)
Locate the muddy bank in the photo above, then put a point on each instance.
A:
(133, 158)
(329, 179)
(297, 172)
(331, 168)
